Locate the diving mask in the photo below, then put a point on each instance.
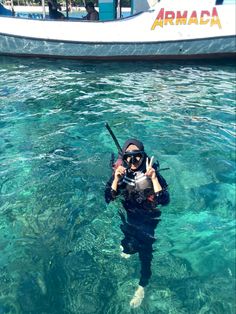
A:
(134, 157)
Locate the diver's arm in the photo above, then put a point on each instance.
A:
(151, 173)
(114, 185)
(119, 173)
(112, 188)
(159, 183)
(162, 197)
(159, 187)
(109, 194)
(156, 185)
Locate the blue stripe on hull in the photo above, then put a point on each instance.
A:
(10, 45)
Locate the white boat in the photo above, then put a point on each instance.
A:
(192, 29)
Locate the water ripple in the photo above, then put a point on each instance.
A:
(60, 242)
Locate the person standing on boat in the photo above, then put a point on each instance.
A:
(92, 13)
(141, 188)
(53, 8)
(6, 12)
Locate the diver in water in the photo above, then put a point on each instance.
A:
(141, 188)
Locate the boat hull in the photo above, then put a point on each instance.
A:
(182, 32)
(194, 49)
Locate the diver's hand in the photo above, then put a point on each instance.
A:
(150, 171)
(119, 173)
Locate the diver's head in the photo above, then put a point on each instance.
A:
(133, 154)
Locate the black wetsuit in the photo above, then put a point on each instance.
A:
(141, 215)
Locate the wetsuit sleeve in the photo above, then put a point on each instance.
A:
(162, 197)
(110, 194)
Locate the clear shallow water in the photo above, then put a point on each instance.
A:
(59, 241)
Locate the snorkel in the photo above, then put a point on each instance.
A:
(114, 139)
(120, 152)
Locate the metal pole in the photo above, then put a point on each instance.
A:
(43, 7)
(12, 6)
(118, 9)
(67, 15)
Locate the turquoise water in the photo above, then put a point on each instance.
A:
(59, 241)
